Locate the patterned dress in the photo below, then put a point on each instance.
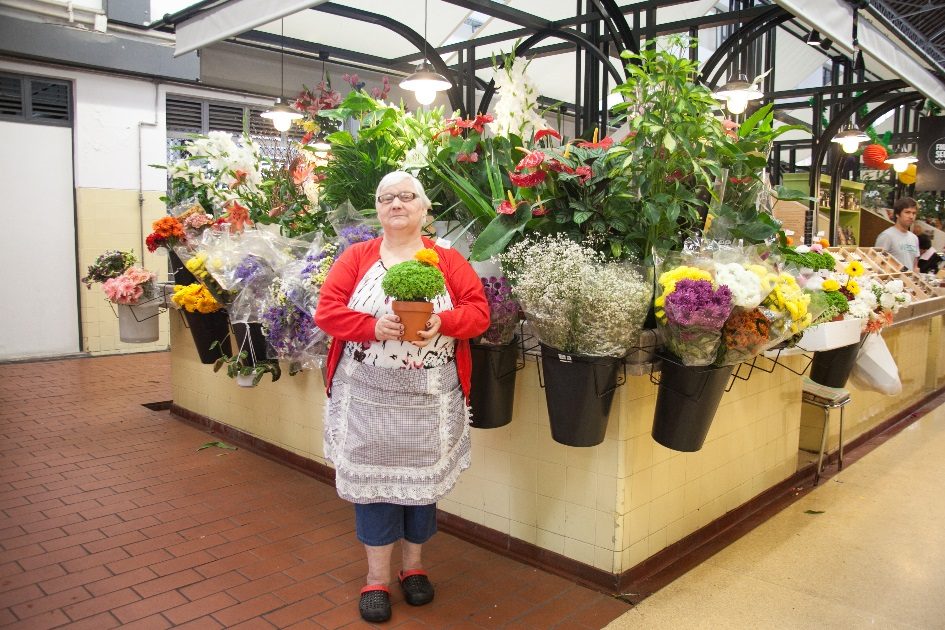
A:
(397, 426)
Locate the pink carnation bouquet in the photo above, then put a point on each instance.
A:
(128, 288)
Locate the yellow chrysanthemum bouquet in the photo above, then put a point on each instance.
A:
(194, 298)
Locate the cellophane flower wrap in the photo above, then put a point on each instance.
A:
(504, 311)
(290, 330)
(692, 309)
(576, 300)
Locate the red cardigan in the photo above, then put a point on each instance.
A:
(468, 318)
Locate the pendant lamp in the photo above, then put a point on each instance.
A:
(425, 82)
(737, 92)
(849, 139)
(901, 160)
(281, 114)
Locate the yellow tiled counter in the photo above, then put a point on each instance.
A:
(610, 506)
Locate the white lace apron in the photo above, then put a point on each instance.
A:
(396, 436)
(396, 425)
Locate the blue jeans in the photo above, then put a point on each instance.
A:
(379, 524)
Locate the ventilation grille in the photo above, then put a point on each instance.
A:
(226, 118)
(11, 96)
(50, 101)
(184, 115)
(35, 99)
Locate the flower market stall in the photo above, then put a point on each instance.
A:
(594, 244)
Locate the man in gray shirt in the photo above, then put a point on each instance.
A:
(899, 240)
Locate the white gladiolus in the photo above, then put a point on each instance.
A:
(516, 110)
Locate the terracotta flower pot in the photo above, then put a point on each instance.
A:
(413, 316)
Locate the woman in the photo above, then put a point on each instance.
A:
(396, 422)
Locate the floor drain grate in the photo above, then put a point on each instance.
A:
(162, 405)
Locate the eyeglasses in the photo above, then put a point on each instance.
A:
(389, 197)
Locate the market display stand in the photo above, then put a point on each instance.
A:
(850, 197)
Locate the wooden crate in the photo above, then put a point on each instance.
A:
(793, 216)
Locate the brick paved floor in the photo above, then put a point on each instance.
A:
(112, 518)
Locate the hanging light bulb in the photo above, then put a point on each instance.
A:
(850, 138)
(901, 160)
(736, 94)
(281, 114)
(425, 83)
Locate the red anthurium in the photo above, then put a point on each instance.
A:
(532, 160)
(506, 207)
(542, 133)
(584, 172)
(539, 211)
(481, 120)
(527, 180)
(467, 157)
(560, 167)
(605, 144)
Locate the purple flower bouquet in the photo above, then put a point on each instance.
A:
(695, 315)
(504, 311)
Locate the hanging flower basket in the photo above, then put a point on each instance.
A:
(579, 390)
(686, 402)
(206, 328)
(493, 383)
(250, 339)
(833, 367)
(138, 323)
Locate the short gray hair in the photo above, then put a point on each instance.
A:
(395, 177)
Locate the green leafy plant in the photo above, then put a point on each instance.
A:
(237, 365)
(413, 281)
(669, 155)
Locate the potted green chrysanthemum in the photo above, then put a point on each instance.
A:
(413, 284)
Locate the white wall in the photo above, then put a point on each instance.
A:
(39, 313)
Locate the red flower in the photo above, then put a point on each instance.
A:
(541, 133)
(675, 176)
(481, 120)
(532, 160)
(153, 242)
(527, 180)
(539, 211)
(506, 207)
(237, 216)
(739, 180)
(584, 172)
(308, 137)
(605, 144)
(467, 157)
(560, 167)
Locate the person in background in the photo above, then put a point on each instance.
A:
(396, 420)
(899, 240)
(929, 259)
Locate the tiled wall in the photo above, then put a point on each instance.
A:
(609, 506)
(111, 219)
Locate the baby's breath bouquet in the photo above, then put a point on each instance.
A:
(577, 301)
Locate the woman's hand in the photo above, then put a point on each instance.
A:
(388, 328)
(433, 329)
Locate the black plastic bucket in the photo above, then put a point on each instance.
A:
(206, 328)
(579, 390)
(181, 274)
(493, 384)
(254, 346)
(833, 367)
(686, 402)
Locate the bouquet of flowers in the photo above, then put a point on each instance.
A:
(693, 309)
(130, 287)
(109, 265)
(504, 311)
(290, 330)
(166, 232)
(576, 300)
(194, 298)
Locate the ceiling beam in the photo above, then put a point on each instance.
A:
(503, 12)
